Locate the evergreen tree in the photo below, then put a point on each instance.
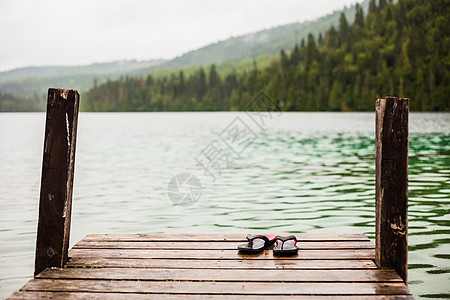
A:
(372, 6)
(359, 16)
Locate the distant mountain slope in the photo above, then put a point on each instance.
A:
(29, 81)
(96, 68)
(266, 42)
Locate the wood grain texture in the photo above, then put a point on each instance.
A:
(279, 275)
(291, 264)
(58, 165)
(220, 254)
(392, 184)
(224, 288)
(162, 237)
(27, 295)
(317, 245)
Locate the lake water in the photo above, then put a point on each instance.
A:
(305, 172)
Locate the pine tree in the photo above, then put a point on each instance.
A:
(359, 16)
(344, 32)
(372, 6)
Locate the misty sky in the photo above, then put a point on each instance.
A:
(73, 32)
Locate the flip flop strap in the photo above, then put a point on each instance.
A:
(284, 239)
(250, 238)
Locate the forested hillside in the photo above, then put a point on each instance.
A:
(264, 43)
(12, 103)
(238, 51)
(399, 49)
(30, 82)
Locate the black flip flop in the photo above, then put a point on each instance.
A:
(286, 246)
(256, 243)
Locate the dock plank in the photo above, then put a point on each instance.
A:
(221, 254)
(360, 275)
(161, 237)
(223, 288)
(96, 262)
(222, 245)
(27, 295)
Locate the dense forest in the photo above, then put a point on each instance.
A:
(399, 49)
(12, 103)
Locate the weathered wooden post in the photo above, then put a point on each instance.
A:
(58, 164)
(392, 184)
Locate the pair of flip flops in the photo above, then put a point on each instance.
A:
(285, 245)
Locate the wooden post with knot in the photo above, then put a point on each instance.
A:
(391, 183)
(55, 204)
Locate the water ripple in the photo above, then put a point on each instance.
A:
(308, 172)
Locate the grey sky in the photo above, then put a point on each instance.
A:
(73, 32)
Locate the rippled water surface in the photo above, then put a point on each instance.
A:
(306, 172)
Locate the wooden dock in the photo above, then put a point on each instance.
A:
(194, 266)
(136, 266)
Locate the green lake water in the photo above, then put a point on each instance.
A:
(301, 172)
